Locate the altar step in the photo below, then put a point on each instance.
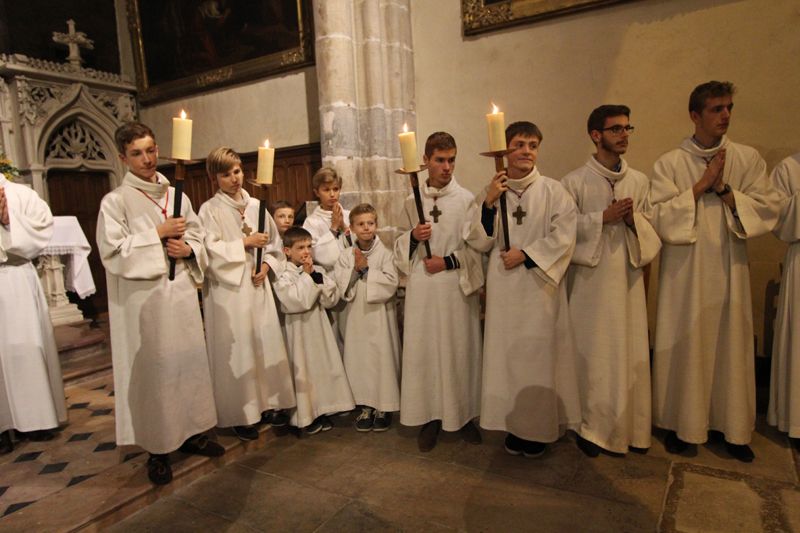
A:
(83, 349)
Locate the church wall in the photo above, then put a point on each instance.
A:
(647, 54)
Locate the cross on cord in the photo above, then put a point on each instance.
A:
(519, 214)
(435, 212)
(247, 230)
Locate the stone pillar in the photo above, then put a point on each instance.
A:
(51, 274)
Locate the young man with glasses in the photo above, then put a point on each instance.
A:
(709, 195)
(614, 242)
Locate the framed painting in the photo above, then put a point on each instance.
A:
(183, 47)
(479, 16)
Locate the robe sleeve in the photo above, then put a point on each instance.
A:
(325, 246)
(329, 294)
(382, 278)
(552, 253)
(226, 259)
(756, 201)
(344, 276)
(296, 291)
(643, 244)
(788, 187)
(476, 235)
(402, 261)
(194, 237)
(470, 275)
(126, 254)
(589, 233)
(674, 213)
(30, 226)
(273, 251)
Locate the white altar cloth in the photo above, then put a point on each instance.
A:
(68, 239)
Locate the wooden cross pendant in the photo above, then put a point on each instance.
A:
(247, 230)
(519, 214)
(435, 212)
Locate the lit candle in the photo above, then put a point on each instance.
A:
(181, 137)
(408, 149)
(497, 130)
(266, 161)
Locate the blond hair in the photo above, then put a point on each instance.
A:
(363, 209)
(324, 176)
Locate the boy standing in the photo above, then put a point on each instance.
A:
(247, 355)
(327, 224)
(530, 387)
(283, 214)
(367, 280)
(162, 385)
(305, 291)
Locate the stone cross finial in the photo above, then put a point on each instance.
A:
(74, 40)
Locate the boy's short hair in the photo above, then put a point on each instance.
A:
(129, 132)
(221, 160)
(597, 118)
(362, 209)
(294, 235)
(526, 129)
(324, 176)
(440, 140)
(280, 204)
(710, 89)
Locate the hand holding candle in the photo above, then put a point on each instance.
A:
(497, 130)
(408, 149)
(182, 137)
(266, 162)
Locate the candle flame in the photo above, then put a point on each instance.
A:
(266, 143)
(405, 128)
(183, 114)
(494, 109)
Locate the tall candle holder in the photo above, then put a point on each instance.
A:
(417, 199)
(498, 156)
(180, 174)
(261, 191)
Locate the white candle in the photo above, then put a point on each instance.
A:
(497, 130)
(266, 162)
(408, 149)
(181, 137)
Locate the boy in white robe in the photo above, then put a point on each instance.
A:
(441, 377)
(162, 385)
(614, 242)
(530, 387)
(31, 389)
(784, 399)
(708, 196)
(305, 292)
(367, 280)
(246, 351)
(327, 224)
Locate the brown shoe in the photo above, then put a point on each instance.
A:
(428, 435)
(470, 433)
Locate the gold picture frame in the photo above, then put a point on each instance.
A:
(480, 16)
(184, 47)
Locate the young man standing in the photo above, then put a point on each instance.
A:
(163, 395)
(440, 384)
(709, 196)
(605, 288)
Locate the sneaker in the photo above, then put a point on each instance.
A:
(327, 423)
(532, 448)
(673, 444)
(6, 444)
(589, 448)
(364, 420)
(470, 433)
(740, 452)
(280, 418)
(428, 435)
(267, 417)
(158, 469)
(202, 445)
(513, 444)
(382, 421)
(246, 432)
(314, 427)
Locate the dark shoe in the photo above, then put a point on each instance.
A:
(532, 448)
(314, 427)
(514, 444)
(202, 445)
(280, 418)
(589, 448)
(6, 444)
(364, 420)
(267, 417)
(740, 452)
(640, 451)
(327, 423)
(40, 435)
(470, 433)
(158, 469)
(428, 435)
(246, 432)
(382, 421)
(675, 445)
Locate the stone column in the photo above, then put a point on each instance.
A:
(51, 274)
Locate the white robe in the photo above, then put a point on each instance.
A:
(369, 322)
(162, 384)
(606, 293)
(530, 384)
(246, 350)
(326, 247)
(31, 388)
(320, 380)
(784, 399)
(703, 375)
(441, 365)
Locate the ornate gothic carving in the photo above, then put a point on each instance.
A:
(122, 107)
(476, 15)
(34, 98)
(25, 63)
(75, 140)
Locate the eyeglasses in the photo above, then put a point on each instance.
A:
(618, 129)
